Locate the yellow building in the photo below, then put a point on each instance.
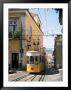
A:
(33, 32)
(25, 34)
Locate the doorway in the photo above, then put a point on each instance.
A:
(15, 60)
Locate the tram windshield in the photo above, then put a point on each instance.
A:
(36, 59)
(31, 60)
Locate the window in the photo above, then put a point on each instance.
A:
(34, 43)
(49, 63)
(31, 60)
(12, 25)
(37, 43)
(28, 46)
(36, 59)
(52, 62)
(40, 59)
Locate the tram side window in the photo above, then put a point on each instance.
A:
(36, 59)
(40, 61)
(31, 60)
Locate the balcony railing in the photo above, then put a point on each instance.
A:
(10, 34)
(16, 34)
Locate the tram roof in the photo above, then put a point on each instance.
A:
(33, 53)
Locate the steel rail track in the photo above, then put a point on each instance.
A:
(19, 78)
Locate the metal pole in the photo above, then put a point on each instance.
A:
(21, 47)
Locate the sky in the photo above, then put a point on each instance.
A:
(49, 25)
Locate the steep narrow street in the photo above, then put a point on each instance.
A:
(48, 75)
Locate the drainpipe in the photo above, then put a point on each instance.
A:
(21, 50)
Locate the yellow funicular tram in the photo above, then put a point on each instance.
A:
(35, 62)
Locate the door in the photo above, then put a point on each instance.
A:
(15, 60)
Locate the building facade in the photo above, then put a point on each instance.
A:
(50, 61)
(58, 52)
(34, 33)
(25, 34)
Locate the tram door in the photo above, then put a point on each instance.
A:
(15, 59)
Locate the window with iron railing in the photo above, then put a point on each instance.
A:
(12, 27)
(16, 34)
(15, 30)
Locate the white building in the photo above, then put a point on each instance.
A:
(50, 61)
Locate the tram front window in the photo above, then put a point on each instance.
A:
(40, 59)
(36, 59)
(31, 60)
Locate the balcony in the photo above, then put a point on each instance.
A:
(10, 35)
(17, 34)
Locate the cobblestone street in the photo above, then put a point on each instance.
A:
(48, 75)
